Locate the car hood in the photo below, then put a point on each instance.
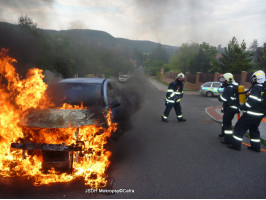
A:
(58, 118)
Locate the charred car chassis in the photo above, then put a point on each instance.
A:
(57, 156)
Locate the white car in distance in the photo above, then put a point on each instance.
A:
(123, 78)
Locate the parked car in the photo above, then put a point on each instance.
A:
(123, 78)
(210, 89)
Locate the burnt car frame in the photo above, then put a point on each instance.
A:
(96, 94)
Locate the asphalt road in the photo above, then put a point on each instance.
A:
(167, 160)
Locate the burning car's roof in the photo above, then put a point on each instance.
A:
(83, 80)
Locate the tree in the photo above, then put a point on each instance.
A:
(139, 57)
(26, 22)
(254, 51)
(157, 60)
(261, 59)
(181, 60)
(235, 58)
(253, 47)
(159, 53)
(204, 60)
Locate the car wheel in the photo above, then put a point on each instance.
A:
(209, 94)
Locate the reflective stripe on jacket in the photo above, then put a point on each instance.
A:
(174, 92)
(255, 102)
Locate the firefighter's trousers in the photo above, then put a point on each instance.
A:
(245, 123)
(227, 130)
(168, 108)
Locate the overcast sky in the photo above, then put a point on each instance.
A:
(172, 22)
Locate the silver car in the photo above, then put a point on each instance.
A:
(210, 89)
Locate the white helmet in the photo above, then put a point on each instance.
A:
(229, 77)
(180, 75)
(258, 77)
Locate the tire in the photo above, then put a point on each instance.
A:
(209, 94)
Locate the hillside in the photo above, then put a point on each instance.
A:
(104, 39)
(71, 52)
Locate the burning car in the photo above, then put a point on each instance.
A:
(90, 92)
(51, 141)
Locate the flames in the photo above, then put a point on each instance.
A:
(19, 97)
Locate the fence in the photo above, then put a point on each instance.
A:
(206, 77)
(237, 78)
(190, 78)
(249, 74)
(194, 82)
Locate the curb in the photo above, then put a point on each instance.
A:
(213, 114)
(157, 85)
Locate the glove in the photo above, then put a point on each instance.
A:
(222, 110)
(175, 97)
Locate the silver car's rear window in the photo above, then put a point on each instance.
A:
(207, 85)
(216, 85)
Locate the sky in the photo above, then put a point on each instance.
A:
(172, 22)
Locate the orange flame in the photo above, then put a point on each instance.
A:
(17, 98)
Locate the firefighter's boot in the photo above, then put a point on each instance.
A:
(181, 119)
(253, 149)
(164, 119)
(222, 133)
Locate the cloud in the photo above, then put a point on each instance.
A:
(170, 21)
(11, 10)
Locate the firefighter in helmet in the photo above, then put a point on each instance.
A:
(253, 112)
(173, 98)
(230, 106)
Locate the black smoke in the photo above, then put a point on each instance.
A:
(130, 103)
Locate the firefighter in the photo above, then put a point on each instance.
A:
(230, 106)
(173, 98)
(253, 112)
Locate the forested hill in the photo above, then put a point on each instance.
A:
(71, 52)
(104, 39)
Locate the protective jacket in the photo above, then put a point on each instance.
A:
(254, 105)
(174, 92)
(230, 97)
